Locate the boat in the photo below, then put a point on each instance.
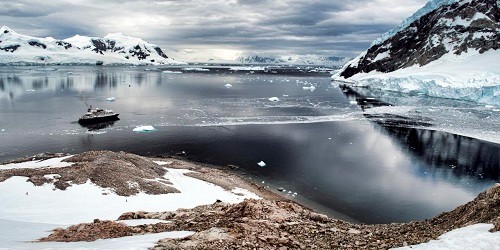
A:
(97, 116)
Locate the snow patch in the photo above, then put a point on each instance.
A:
(49, 163)
(475, 236)
(142, 222)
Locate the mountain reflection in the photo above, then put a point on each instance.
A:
(463, 156)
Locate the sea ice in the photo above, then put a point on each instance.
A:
(274, 99)
(110, 99)
(228, 85)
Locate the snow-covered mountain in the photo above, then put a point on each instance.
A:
(112, 49)
(294, 60)
(449, 48)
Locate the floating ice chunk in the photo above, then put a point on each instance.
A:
(310, 88)
(353, 102)
(228, 85)
(30, 90)
(285, 95)
(147, 128)
(110, 99)
(3, 130)
(274, 99)
(195, 69)
(46, 69)
(261, 164)
(171, 72)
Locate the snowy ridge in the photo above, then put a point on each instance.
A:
(430, 6)
(294, 60)
(116, 48)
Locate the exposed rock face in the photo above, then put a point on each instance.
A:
(37, 44)
(64, 44)
(455, 28)
(10, 48)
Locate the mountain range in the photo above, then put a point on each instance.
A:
(116, 48)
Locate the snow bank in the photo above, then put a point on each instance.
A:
(471, 76)
(52, 163)
(142, 222)
(472, 237)
(22, 201)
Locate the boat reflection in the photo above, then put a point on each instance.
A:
(99, 125)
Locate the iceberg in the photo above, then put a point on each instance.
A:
(147, 128)
(274, 99)
(310, 88)
(261, 164)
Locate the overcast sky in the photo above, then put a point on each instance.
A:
(327, 27)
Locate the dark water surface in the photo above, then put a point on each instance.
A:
(315, 143)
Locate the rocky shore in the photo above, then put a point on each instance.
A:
(268, 223)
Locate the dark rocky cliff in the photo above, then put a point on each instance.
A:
(455, 28)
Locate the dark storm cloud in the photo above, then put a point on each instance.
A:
(329, 27)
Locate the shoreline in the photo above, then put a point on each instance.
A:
(270, 221)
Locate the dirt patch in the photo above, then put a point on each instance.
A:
(89, 232)
(122, 173)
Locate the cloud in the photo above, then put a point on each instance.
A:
(329, 27)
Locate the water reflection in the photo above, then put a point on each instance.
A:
(463, 156)
(460, 155)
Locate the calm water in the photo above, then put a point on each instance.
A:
(315, 143)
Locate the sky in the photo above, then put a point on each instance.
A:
(225, 27)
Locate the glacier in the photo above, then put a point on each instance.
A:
(470, 76)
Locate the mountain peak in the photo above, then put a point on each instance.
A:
(429, 6)
(6, 29)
